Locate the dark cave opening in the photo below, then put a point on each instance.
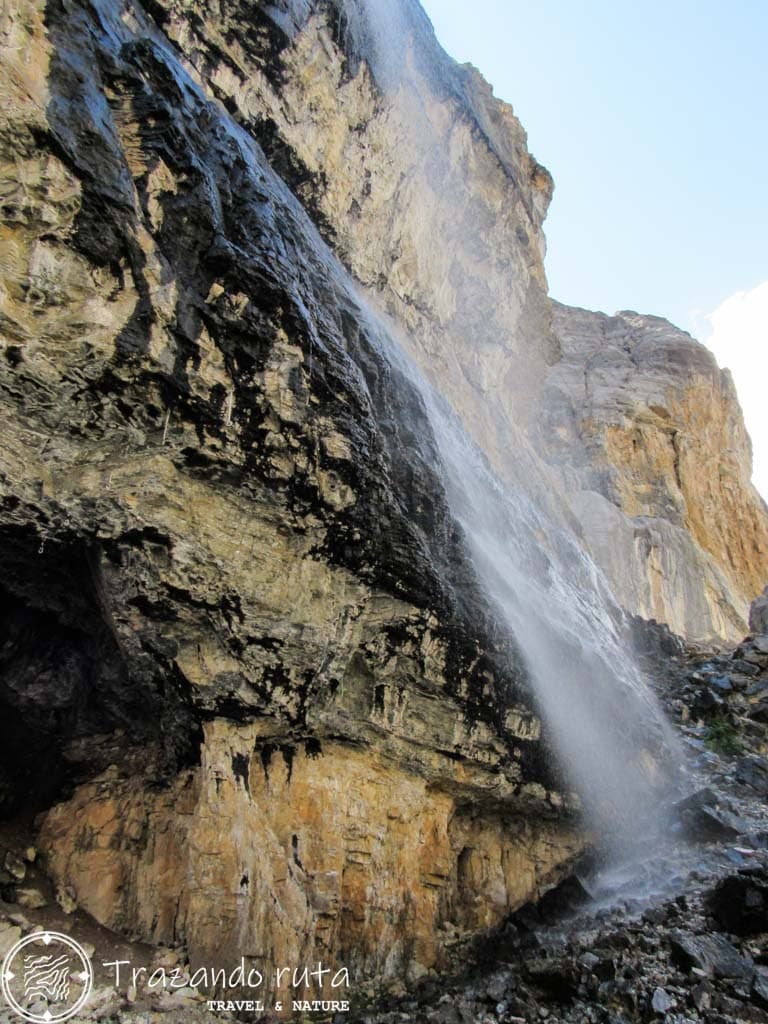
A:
(71, 701)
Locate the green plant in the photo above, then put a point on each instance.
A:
(723, 738)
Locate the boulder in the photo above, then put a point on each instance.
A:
(705, 819)
(713, 954)
(565, 898)
(739, 903)
(31, 898)
(752, 771)
(758, 615)
(554, 977)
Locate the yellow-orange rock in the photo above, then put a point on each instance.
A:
(288, 855)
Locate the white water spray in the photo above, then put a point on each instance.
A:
(610, 735)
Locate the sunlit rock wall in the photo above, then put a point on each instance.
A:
(650, 439)
(238, 615)
(422, 181)
(241, 636)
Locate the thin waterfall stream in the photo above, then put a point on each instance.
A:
(612, 740)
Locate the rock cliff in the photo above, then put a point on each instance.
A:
(245, 654)
(242, 643)
(422, 182)
(650, 440)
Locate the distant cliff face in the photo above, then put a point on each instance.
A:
(650, 439)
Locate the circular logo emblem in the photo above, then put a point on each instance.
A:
(46, 977)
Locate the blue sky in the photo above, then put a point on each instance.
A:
(652, 118)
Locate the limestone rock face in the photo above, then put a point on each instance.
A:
(240, 630)
(422, 182)
(415, 173)
(247, 670)
(296, 854)
(650, 440)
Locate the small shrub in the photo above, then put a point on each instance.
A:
(723, 738)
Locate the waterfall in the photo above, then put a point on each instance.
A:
(612, 740)
(610, 737)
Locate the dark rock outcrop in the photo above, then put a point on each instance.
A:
(758, 614)
(740, 903)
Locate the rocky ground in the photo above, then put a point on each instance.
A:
(677, 933)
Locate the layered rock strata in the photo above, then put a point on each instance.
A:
(648, 435)
(243, 646)
(422, 182)
(241, 636)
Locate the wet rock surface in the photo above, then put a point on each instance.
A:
(634, 418)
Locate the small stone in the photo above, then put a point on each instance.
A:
(701, 995)
(707, 700)
(8, 938)
(747, 667)
(416, 971)
(186, 993)
(589, 961)
(31, 898)
(15, 866)
(662, 1001)
(66, 899)
(722, 684)
(496, 987)
(167, 957)
(101, 1001)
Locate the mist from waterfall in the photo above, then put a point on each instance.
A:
(612, 740)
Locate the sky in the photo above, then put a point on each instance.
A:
(652, 118)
